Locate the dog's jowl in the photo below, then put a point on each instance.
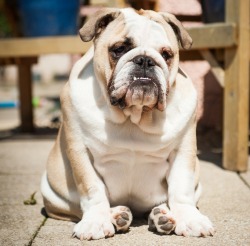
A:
(127, 143)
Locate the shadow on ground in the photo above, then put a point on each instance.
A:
(209, 144)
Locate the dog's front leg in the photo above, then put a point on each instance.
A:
(95, 222)
(182, 182)
(94, 203)
(98, 218)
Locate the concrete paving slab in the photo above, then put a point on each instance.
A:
(24, 156)
(19, 223)
(225, 200)
(21, 165)
(17, 188)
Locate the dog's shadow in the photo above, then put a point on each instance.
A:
(138, 222)
(144, 222)
(44, 213)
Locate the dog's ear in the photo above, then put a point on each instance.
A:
(182, 35)
(95, 25)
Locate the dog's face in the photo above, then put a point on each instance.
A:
(136, 55)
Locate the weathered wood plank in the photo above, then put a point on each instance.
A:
(25, 47)
(217, 35)
(209, 36)
(236, 92)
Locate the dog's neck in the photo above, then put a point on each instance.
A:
(135, 113)
(145, 120)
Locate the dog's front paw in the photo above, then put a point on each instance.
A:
(160, 221)
(94, 227)
(121, 217)
(190, 222)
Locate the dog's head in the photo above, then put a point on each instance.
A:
(136, 55)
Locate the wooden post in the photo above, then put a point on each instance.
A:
(236, 92)
(25, 93)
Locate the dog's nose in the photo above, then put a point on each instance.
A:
(144, 61)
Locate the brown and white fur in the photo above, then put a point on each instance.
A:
(127, 143)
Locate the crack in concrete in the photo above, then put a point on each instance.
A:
(243, 180)
(36, 232)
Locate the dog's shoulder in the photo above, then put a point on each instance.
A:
(82, 88)
(81, 65)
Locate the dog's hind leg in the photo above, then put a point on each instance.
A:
(57, 207)
(121, 218)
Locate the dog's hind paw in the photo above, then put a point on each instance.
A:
(160, 221)
(121, 217)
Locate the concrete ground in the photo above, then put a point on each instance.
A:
(226, 200)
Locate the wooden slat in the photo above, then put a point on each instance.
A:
(190, 55)
(209, 36)
(219, 35)
(25, 47)
(236, 92)
(109, 3)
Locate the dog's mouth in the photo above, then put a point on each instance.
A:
(142, 91)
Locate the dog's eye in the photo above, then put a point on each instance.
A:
(120, 49)
(167, 55)
(117, 52)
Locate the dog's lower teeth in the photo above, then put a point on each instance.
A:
(140, 78)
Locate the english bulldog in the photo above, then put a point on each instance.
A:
(127, 143)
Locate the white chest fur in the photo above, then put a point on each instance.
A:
(132, 168)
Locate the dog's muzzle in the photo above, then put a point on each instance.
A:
(142, 88)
